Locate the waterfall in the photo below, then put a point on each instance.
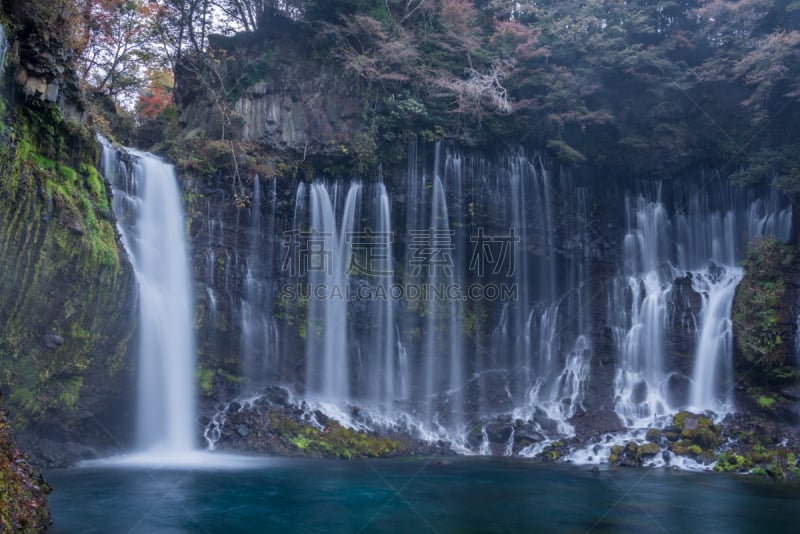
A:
(3, 49)
(640, 382)
(327, 354)
(442, 337)
(385, 376)
(712, 379)
(260, 340)
(148, 207)
(703, 240)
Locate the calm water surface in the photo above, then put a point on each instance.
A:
(418, 496)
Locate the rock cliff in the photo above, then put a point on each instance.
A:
(67, 309)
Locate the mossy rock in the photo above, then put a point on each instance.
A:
(334, 440)
(672, 435)
(761, 315)
(681, 448)
(616, 452)
(647, 450)
(654, 435)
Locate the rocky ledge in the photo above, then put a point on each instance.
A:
(738, 443)
(274, 423)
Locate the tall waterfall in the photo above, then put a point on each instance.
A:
(148, 207)
(3, 49)
(327, 356)
(260, 338)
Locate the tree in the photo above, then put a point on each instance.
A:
(157, 96)
(118, 46)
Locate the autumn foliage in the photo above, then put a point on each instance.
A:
(157, 96)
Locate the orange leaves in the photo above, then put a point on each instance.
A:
(157, 96)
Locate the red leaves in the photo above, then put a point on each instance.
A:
(157, 96)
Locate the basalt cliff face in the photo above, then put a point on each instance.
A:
(67, 308)
(275, 94)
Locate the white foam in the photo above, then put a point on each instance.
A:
(191, 460)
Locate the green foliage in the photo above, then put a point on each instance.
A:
(648, 449)
(698, 434)
(730, 462)
(565, 153)
(759, 471)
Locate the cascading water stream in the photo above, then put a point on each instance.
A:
(3, 49)
(327, 356)
(148, 207)
(712, 379)
(260, 339)
(387, 378)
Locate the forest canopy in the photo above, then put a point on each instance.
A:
(640, 87)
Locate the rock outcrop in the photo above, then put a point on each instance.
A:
(40, 60)
(274, 94)
(23, 491)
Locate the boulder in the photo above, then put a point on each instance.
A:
(592, 424)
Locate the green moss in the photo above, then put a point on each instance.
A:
(334, 441)
(41, 162)
(301, 442)
(760, 313)
(95, 186)
(70, 391)
(205, 378)
(694, 450)
(68, 174)
(759, 471)
(765, 401)
(647, 449)
(59, 268)
(653, 434)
